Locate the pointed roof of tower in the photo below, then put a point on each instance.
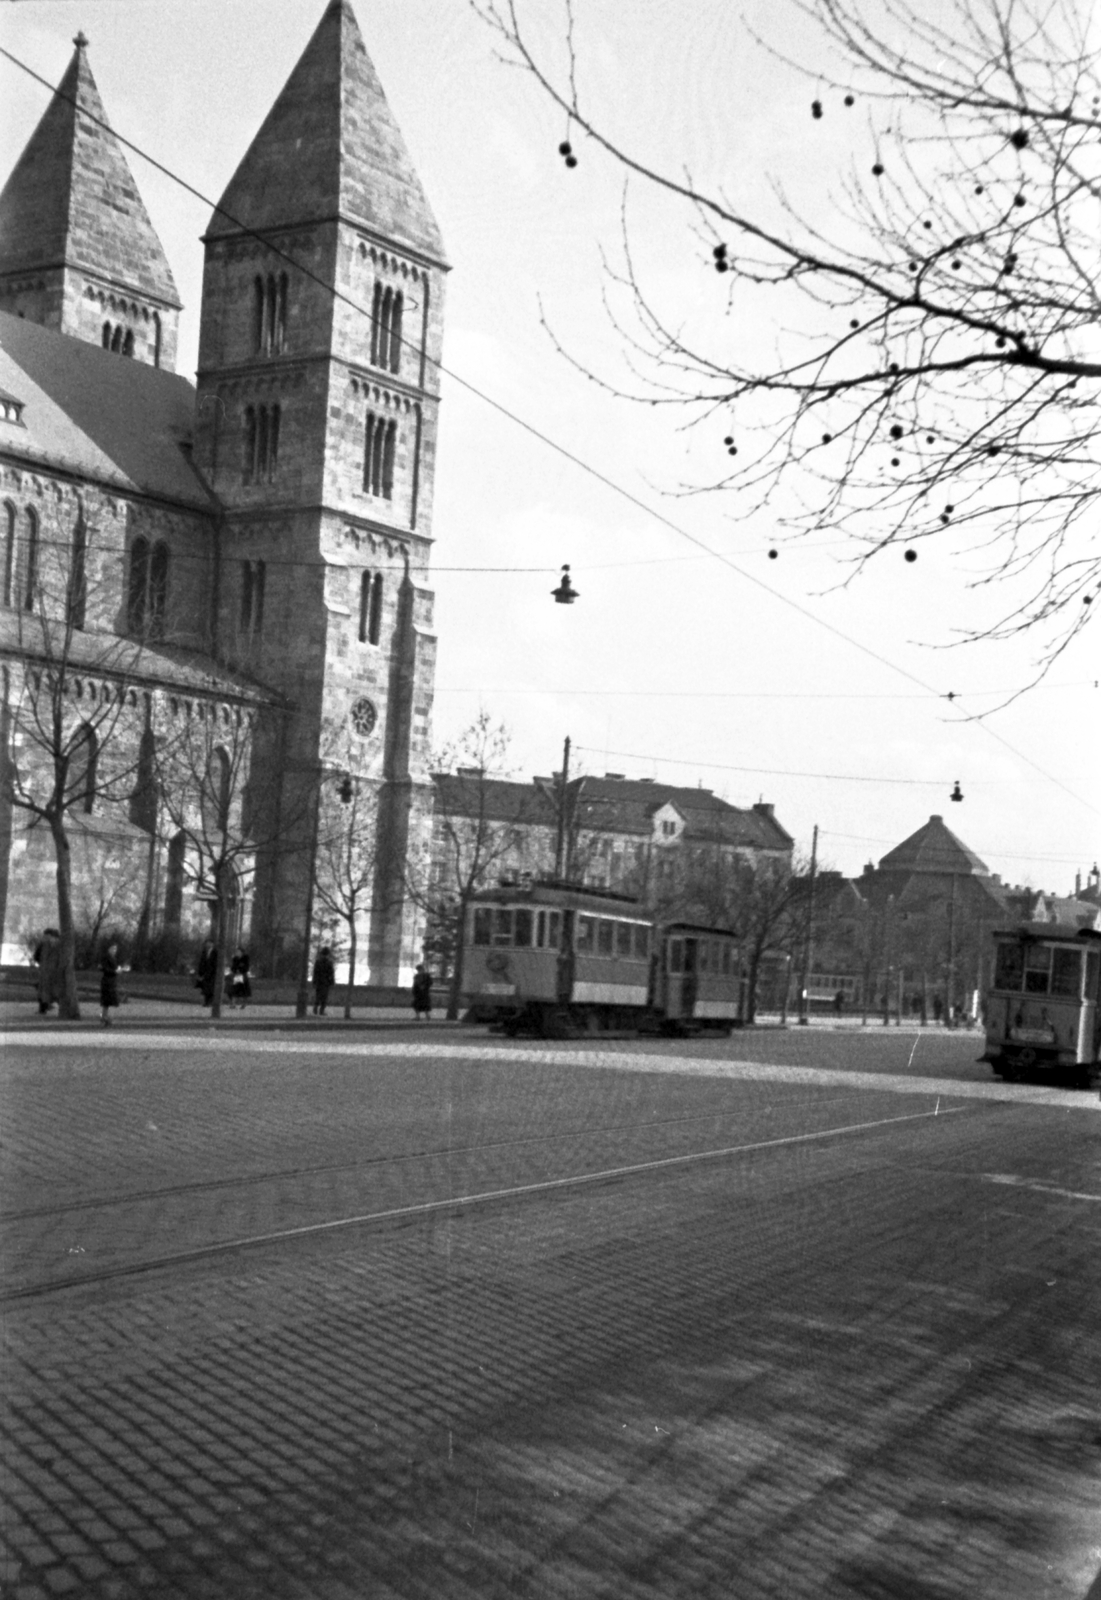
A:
(330, 146)
(934, 848)
(71, 199)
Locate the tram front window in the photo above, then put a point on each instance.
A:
(483, 925)
(502, 926)
(1037, 969)
(1066, 972)
(1009, 967)
(523, 928)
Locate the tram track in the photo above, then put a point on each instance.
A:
(429, 1153)
(32, 1291)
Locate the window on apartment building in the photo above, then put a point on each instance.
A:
(386, 319)
(379, 446)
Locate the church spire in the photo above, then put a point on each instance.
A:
(331, 148)
(77, 249)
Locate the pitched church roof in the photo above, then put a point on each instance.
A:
(98, 415)
(71, 199)
(330, 146)
(935, 849)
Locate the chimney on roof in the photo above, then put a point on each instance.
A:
(616, 777)
(765, 807)
(936, 818)
(471, 772)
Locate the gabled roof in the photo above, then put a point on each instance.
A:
(461, 794)
(623, 805)
(934, 848)
(330, 146)
(101, 416)
(72, 200)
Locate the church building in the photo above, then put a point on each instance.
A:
(231, 575)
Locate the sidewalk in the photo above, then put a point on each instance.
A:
(137, 1011)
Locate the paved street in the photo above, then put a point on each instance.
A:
(411, 1314)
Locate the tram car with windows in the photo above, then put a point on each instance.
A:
(560, 960)
(1043, 1008)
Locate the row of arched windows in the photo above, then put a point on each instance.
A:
(269, 314)
(379, 446)
(147, 590)
(118, 339)
(253, 574)
(386, 310)
(370, 608)
(20, 576)
(261, 444)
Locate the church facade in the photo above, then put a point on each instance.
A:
(220, 590)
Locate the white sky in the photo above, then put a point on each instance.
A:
(671, 665)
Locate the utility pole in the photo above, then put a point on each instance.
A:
(804, 999)
(949, 999)
(563, 832)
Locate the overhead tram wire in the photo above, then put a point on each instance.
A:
(536, 433)
(767, 772)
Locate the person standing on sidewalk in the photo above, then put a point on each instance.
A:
(240, 989)
(47, 958)
(324, 976)
(206, 971)
(108, 982)
(422, 993)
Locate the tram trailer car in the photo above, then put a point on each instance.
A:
(558, 960)
(1043, 1009)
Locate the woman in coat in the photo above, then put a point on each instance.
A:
(206, 971)
(240, 989)
(48, 959)
(324, 976)
(108, 982)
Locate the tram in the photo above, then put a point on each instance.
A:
(1043, 1009)
(559, 960)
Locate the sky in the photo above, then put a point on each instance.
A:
(691, 656)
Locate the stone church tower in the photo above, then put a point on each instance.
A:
(268, 533)
(318, 395)
(77, 249)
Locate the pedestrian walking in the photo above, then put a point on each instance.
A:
(108, 982)
(324, 976)
(938, 1008)
(422, 993)
(47, 957)
(839, 1002)
(240, 989)
(206, 971)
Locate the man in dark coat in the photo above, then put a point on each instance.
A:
(206, 971)
(422, 992)
(108, 982)
(324, 976)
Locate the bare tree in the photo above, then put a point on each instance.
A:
(346, 868)
(477, 832)
(203, 768)
(936, 367)
(72, 722)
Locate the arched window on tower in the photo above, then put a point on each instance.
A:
(379, 446)
(9, 553)
(280, 340)
(395, 331)
(107, 330)
(116, 338)
(156, 339)
(364, 605)
(258, 318)
(174, 883)
(83, 760)
(376, 324)
(274, 419)
(248, 453)
(374, 626)
(139, 580)
(253, 574)
(128, 343)
(30, 563)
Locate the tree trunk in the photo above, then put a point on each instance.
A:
(68, 1006)
(454, 997)
(351, 967)
(219, 951)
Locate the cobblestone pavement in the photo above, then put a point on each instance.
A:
(859, 1363)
